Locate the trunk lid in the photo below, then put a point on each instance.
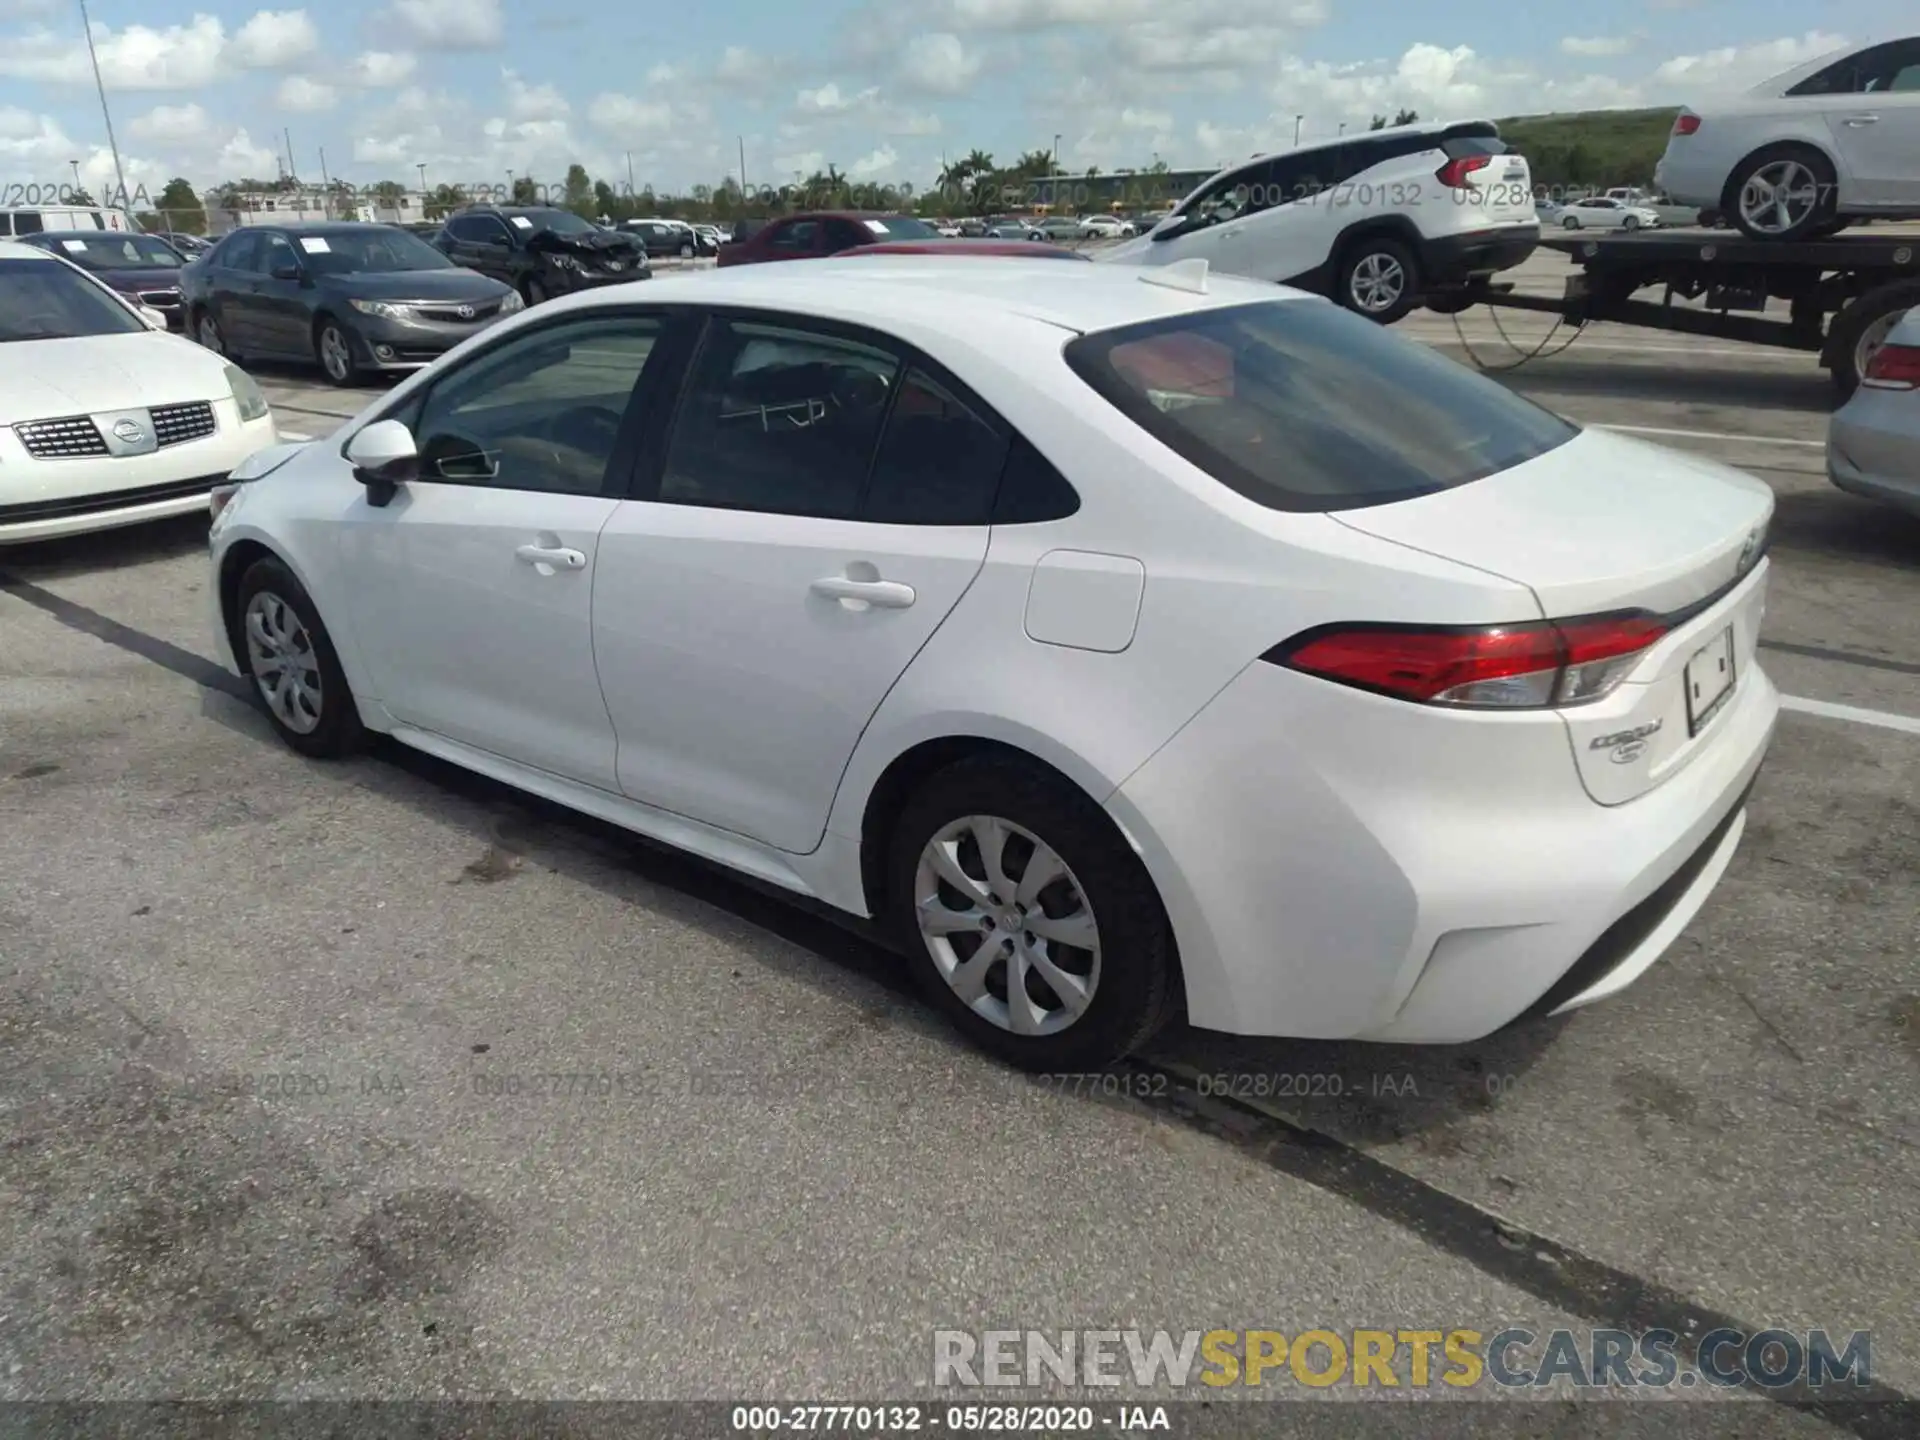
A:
(1605, 523)
(1499, 192)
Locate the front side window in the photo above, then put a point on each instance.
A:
(540, 412)
(276, 252)
(778, 419)
(1875, 71)
(1302, 406)
(44, 300)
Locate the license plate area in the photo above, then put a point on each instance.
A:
(1709, 680)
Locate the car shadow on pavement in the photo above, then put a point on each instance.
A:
(1796, 391)
(1834, 524)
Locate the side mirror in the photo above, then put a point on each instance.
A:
(286, 272)
(151, 317)
(384, 457)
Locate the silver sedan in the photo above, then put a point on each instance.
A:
(1873, 443)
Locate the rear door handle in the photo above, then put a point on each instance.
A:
(1856, 121)
(548, 561)
(858, 594)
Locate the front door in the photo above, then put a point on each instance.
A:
(280, 314)
(474, 587)
(809, 532)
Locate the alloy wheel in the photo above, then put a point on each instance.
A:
(1008, 925)
(1779, 196)
(1377, 283)
(281, 656)
(335, 358)
(209, 335)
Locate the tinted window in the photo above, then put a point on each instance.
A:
(778, 419)
(468, 228)
(801, 235)
(1031, 489)
(561, 222)
(845, 234)
(275, 252)
(28, 222)
(901, 227)
(114, 250)
(939, 462)
(1262, 397)
(540, 412)
(1873, 71)
(42, 300)
(238, 251)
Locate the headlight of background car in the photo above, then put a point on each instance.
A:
(386, 310)
(247, 395)
(512, 302)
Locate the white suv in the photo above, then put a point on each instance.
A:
(1375, 221)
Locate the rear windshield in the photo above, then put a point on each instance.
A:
(1300, 405)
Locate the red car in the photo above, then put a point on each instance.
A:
(1028, 249)
(816, 233)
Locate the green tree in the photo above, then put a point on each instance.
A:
(524, 192)
(605, 201)
(444, 200)
(579, 196)
(1379, 122)
(1407, 117)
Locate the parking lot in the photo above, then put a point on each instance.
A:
(260, 1018)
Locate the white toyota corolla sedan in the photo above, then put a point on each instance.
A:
(105, 419)
(1119, 639)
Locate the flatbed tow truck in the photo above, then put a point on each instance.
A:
(1844, 293)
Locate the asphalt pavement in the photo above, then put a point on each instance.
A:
(379, 1080)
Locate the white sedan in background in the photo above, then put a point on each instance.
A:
(1102, 649)
(1106, 227)
(1873, 441)
(105, 419)
(1602, 212)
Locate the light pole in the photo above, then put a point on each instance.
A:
(509, 187)
(1296, 130)
(1343, 127)
(76, 175)
(119, 175)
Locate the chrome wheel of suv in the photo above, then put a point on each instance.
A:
(1376, 283)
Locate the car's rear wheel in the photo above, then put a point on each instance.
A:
(1784, 192)
(1378, 279)
(1631, 223)
(293, 665)
(686, 252)
(206, 329)
(334, 351)
(1856, 334)
(1572, 222)
(1031, 923)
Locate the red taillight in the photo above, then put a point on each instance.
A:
(1497, 666)
(1894, 367)
(1686, 125)
(1454, 173)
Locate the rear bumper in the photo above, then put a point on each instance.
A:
(1337, 865)
(1870, 452)
(1455, 259)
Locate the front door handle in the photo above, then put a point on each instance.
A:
(859, 594)
(549, 561)
(1856, 121)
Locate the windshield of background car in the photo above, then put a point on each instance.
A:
(1300, 405)
(43, 300)
(373, 251)
(561, 222)
(110, 251)
(903, 227)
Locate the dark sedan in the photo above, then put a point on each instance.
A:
(141, 267)
(541, 251)
(349, 296)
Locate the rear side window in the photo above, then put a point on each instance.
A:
(1461, 146)
(1302, 406)
(28, 222)
(939, 462)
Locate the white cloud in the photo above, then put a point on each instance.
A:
(27, 10)
(239, 157)
(1736, 67)
(305, 96)
(451, 24)
(938, 64)
(172, 125)
(533, 102)
(830, 99)
(625, 115)
(875, 164)
(275, 40)
(1132, 119)
(382, 69)
(740, 66)
(180, 57)
(797, 165)
(1599, 45)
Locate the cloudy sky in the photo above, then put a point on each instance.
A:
(475, 88)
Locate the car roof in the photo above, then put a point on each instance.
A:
(922, 289)
(19, 250)
(318, 227)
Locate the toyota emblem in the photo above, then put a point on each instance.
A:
(1749, 552)
(129, 431)
(465, 312)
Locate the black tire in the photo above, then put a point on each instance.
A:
(1847, 329)
(532, 291)
(338, 731)
(1630, 224)
(1381, 257)
(1571, 222)
(1818, 213)
(337, 364)
(686, 252)
(1135, 990)
(205, 325)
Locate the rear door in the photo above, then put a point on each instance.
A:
(1877, 131)
(822, 504)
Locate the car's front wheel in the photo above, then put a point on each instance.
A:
(1572, 222)
(686, 252)
(206, 329)
(294, 667)
(1377, 279)
(334, 350)
(1030, 921)
(1631, 223)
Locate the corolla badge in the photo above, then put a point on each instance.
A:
(1627, 745)
(129, 431)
